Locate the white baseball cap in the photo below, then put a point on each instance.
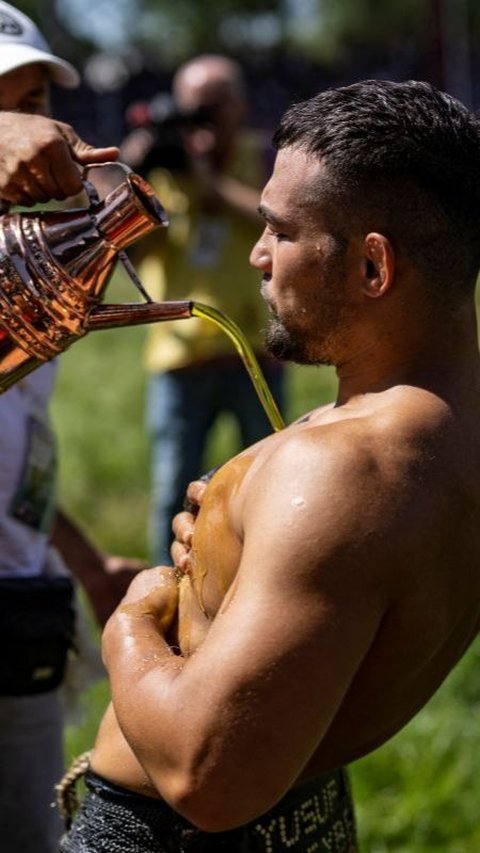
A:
(21, 43)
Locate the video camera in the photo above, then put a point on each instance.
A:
(164, 120)
(162, 112)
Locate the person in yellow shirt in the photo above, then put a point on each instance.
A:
(212, 206)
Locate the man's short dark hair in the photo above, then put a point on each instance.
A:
(403, 159)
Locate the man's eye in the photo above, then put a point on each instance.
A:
(277, 235)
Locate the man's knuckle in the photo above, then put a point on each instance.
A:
(53, 143)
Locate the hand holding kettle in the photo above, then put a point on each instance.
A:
(40, 159)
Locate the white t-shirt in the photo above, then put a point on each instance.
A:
(27, 474)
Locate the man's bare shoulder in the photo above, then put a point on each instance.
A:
(374, 438)
(354, 473)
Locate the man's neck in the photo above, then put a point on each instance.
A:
(441, 356)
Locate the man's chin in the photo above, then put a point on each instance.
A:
(282, 345)
(286, 346)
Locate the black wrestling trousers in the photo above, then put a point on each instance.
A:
(316, 817)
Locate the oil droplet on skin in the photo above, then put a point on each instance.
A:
(297, 501)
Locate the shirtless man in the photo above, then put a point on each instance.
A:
(331, 579)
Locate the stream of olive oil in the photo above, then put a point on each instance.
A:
(247, 355)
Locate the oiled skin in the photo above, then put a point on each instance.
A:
(433, 625)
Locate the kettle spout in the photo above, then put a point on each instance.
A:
(137, 314)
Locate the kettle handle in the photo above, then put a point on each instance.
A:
(94, 201)
(91, 190)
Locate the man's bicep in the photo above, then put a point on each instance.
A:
(308, 555)
(313, 591)
(293, 631)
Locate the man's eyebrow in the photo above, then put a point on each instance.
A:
(270, 216)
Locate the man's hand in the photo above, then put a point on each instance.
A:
(183, 526)
(40, 158)
(151, 599)
(153, 592)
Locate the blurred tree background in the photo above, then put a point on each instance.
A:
(420, 792)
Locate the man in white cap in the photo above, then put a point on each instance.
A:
(38, 156)
(39, 160)
(22, 44)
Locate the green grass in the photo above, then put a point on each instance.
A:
(417, 794)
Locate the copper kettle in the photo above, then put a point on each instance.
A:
(55, 266)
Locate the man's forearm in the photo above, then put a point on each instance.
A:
(142, 669)
(84, 560)
(105, 578)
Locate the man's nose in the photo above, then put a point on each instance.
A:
(260, 256)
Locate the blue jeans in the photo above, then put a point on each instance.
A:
(183, 406)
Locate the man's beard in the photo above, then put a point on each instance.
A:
(287, 345)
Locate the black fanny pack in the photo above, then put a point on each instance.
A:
(37, 619)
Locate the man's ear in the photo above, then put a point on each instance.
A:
(379, 265)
